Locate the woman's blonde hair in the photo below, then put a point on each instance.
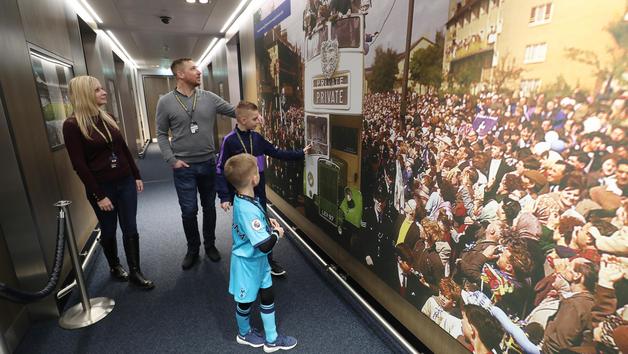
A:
(83, 99)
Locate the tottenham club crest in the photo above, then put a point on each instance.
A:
(329, 57)
(256, 225)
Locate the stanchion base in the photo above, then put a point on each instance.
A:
(75, 317)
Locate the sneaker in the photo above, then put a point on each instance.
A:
(254, 338)
(189, 260)
(282, 342)
(212, 253)
(276, 269)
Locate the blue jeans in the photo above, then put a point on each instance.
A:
(123, 196)
(188, 181)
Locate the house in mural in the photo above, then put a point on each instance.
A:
(285, 68)
(537, 37)
(420, 43)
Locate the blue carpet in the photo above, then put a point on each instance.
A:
(191, 311)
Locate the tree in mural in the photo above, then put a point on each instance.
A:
(385, 70)
(505, 72)
(558, 88)
(426, 64)
(462, 79)
(616, 66)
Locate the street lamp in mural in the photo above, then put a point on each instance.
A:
(406, 64)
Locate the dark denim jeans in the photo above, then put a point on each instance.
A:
(198, 178)
(123, 196)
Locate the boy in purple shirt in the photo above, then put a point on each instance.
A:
(244, 139)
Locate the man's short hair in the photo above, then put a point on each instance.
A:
(404, 252)
(574, 180)
(239, 169)
(582, 157)
(511, 209)
(432, 230)
(473, 175)
(467, 151)
(499, 144)
(449, 289)
(520, 260)
(531, 163)
(589, 271)
(489, 330)
(245, 106)
(177, 63)
(568, 167)
(613, 157)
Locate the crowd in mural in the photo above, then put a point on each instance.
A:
(517, 205)
(286, 130)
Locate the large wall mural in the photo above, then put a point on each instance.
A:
(498, 181)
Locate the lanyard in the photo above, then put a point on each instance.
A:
(258, 205)
(185, 108)
(242, 142)
(110, 141)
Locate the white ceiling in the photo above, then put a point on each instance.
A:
(137, 26)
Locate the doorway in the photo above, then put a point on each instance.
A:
(154, 88)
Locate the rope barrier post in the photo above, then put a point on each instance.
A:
(89, 311)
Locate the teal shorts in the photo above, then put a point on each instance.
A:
(247, 276)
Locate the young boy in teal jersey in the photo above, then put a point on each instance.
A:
(244, 139)
(254, 236)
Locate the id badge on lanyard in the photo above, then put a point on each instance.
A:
(113, 159)
(193, 124)
(193, 127)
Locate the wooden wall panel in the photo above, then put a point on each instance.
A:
(220, 82)
(28, 185)
(45, 25)
(154, 86)
(76, 46)
(247, 52)
(127, 104)
(27, 123)
(39, 176)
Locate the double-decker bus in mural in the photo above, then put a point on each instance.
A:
(312, 88)
(333, 88)
(498, 185)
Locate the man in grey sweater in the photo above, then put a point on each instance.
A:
(190, 115)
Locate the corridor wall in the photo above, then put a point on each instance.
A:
(43, 175)
(512, 110)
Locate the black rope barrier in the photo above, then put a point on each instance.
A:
(23, 297)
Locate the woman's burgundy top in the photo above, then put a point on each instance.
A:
(91, 159)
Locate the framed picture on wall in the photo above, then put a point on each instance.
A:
(52, 75)
(113, 94)
(221, 90)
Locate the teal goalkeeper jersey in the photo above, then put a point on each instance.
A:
(250, 227)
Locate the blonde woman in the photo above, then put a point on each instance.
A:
(104, 164)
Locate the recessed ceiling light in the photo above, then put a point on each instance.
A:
(203, 1)
(190, 1)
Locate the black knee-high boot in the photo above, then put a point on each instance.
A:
(110, 249)
(132, 250)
